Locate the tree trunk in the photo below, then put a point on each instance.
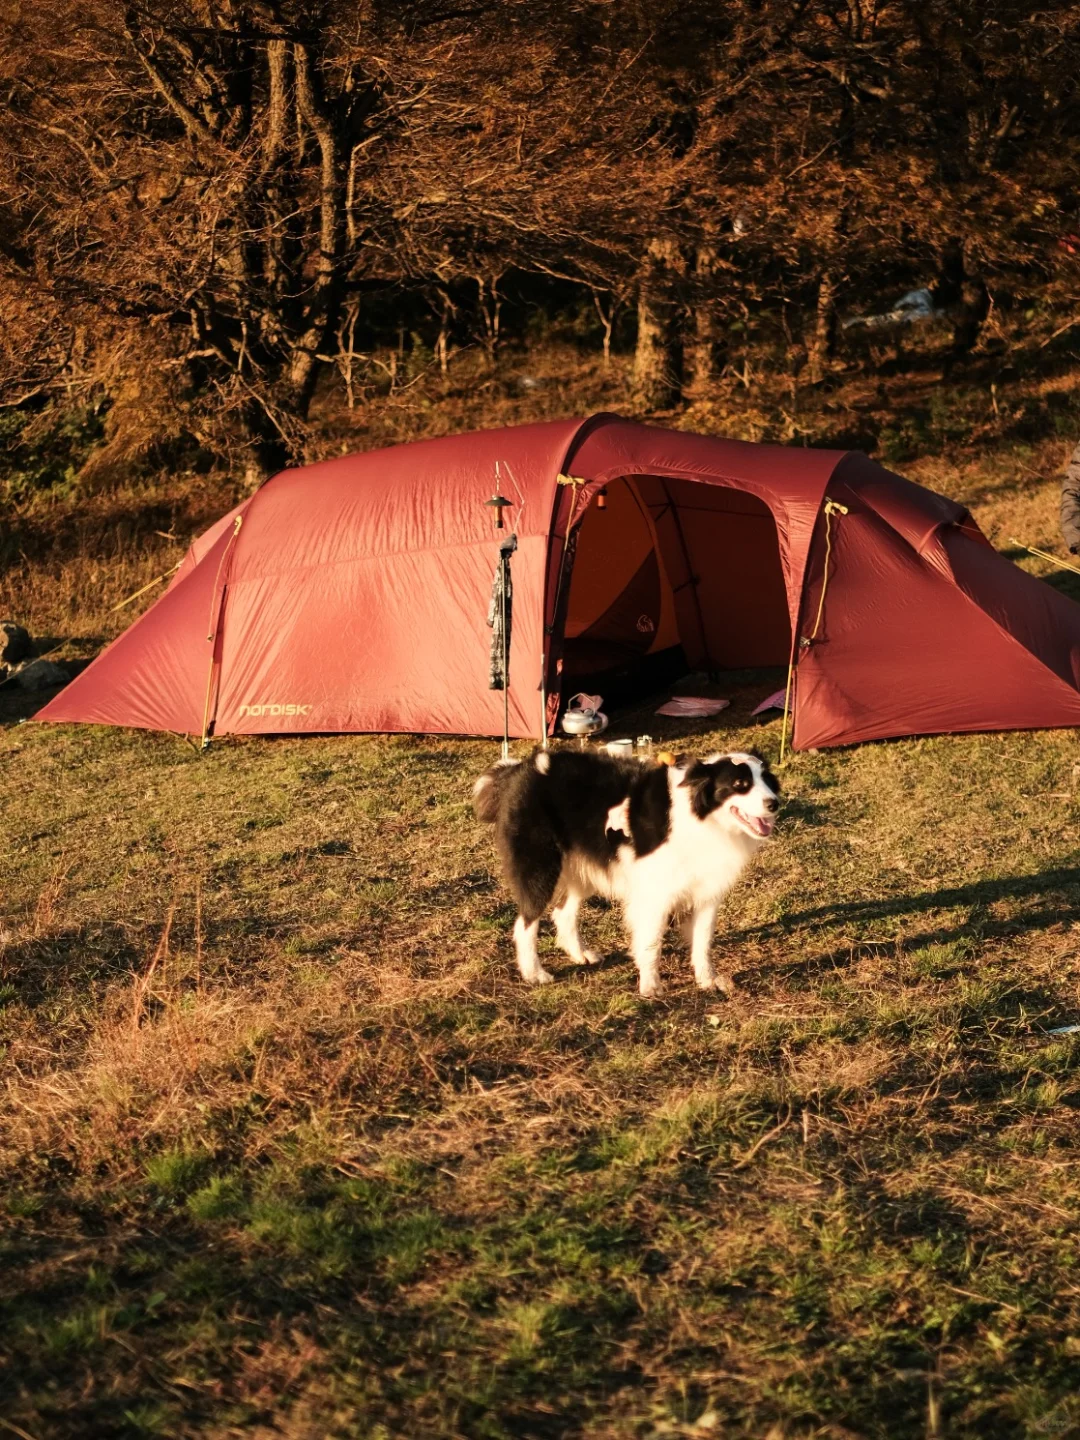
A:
(607, 321)
(703, 341)
(822, 346)
(962, 290)
(656, 359)
(267, 452)
(489, 303)
(324, 303)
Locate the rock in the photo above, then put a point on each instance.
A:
(40, 675)
(15, 643)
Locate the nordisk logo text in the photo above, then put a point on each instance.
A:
(275, 709)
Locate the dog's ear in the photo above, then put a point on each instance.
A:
(698, 780)
(710, 785)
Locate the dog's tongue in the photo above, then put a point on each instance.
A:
(761, 825)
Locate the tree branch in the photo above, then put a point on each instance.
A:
(166, 87)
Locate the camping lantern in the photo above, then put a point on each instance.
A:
(498, 504)
(601, 498)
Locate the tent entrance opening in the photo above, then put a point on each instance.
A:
(672, 575)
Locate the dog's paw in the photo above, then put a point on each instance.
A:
(716, 981)
(651, 992)
(589, 957)
(540, 977)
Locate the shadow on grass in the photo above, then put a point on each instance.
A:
(1065, 583)
(978, 894)
(34, 969)
(18, 705)
(848, 954)
(270, 1262)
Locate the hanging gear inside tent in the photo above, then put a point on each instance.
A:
(500, 619)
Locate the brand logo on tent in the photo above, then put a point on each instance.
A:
(645, 624)
(275, 709)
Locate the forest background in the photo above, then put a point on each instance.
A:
(239, 235)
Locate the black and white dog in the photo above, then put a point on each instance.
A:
(662, 840)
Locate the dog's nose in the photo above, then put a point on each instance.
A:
(772, 806)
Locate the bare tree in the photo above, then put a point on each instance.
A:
(206, 192)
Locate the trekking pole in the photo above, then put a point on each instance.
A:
(156, 581)
(1045, 555)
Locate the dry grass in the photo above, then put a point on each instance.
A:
(290, 1152)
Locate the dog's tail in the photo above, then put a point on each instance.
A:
(488, 790)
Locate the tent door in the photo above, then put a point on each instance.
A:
(673, 568)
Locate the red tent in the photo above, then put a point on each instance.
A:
(354, 594)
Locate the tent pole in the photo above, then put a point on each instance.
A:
(213, 626)
(575, 489)
(787, 703)
(504, 562)
(831, 507)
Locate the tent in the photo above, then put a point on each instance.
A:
(353, 595)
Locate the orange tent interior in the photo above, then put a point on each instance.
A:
(669, 576)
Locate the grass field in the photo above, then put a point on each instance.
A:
(289, 1151)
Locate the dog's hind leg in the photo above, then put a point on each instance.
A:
(566, 930)
(528, 957)
(701, 926)
(647, 923)
(532, 864)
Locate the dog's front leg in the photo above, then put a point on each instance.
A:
(701, 926)
(646, 924)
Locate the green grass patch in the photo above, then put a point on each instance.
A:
(287, 1147)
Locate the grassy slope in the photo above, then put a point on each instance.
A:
(291, 1152)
